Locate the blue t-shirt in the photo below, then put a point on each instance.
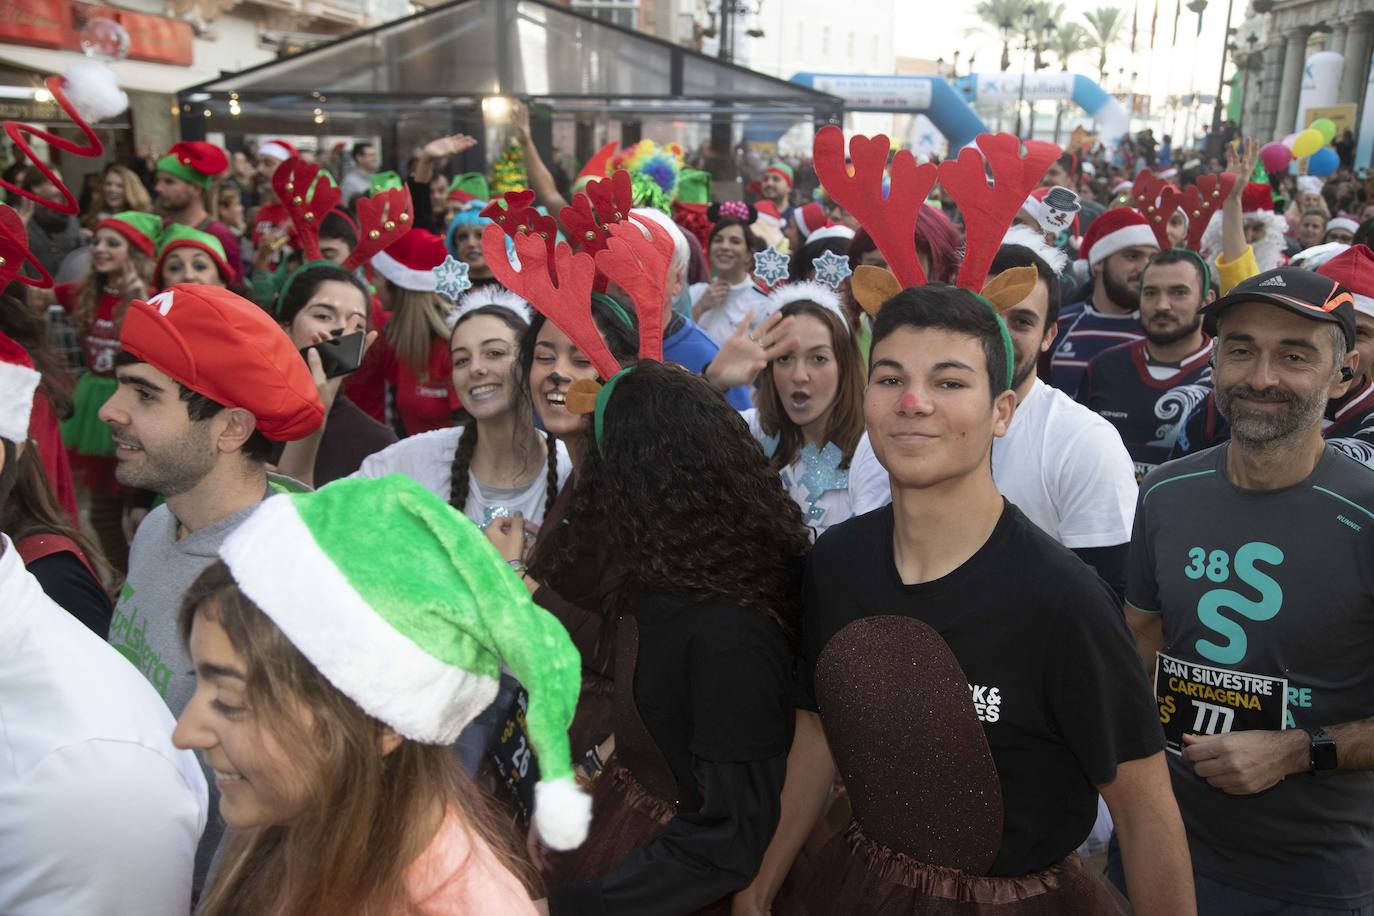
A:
(693, 349)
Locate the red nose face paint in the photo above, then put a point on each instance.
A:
(908, 403)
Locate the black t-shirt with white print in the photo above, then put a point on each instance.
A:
(1051, 666)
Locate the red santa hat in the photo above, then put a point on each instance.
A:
(409, 261)
(810, 218)
(1354, 269)
(1114, 231)
(18, 382)
(277, 149)
(1257, 198)
(768, 211)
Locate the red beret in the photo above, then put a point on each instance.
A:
(222, 346)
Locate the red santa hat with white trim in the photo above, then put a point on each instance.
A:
(18, 382)
(810, 218)
(409, 261)
(1354, 269)
(1115, 231)
(277, 149)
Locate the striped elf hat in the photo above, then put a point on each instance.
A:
(407, 608)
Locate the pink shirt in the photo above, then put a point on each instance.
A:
(459, 875)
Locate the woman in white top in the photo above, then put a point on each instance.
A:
(497, 465)
(719, 306)
(810, 418)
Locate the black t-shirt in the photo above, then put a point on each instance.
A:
(67, 581)
(1051, 666)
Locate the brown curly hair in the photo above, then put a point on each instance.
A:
(685, 500)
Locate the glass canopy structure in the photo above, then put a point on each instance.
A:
(432, 71)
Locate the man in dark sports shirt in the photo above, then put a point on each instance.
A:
(1146, 388)
(1251, 593)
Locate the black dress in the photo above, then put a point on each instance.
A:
(686, 806)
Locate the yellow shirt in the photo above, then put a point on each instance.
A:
(1230, 273)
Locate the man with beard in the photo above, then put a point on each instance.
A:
(1116, 248)
(776, 186)
(1251, 593)
(183, 179)
(52, 235)
(1059, 463)
(1146, 388)
(206, 379)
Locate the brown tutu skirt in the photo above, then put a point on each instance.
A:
(625, 817)
(853, 874)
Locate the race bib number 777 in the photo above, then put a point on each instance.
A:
(1201, 700)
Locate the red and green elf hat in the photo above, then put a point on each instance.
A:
(142, 230)
(179, 236)
(194, 162)
(468, 187)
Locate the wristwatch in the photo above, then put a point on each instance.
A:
(1322, 750)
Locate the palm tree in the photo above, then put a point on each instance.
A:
(1068, 40)
(1000, 18)
(1104, 28)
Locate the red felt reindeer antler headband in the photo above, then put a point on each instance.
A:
(87, 92)
(307, 197)
(618, 246)
(988, 208)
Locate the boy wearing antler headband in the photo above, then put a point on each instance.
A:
(1041, 658)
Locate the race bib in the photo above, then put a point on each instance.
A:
(513, 756)
(1201, 700)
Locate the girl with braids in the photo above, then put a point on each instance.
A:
(688, 799)
(810, 418)
(322, 301)
(497, 465)
(121, 270)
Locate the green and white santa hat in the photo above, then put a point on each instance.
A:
(407, 608)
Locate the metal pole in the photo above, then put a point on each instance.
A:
(1221, 76)
(1021, 92)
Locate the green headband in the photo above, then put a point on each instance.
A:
(1006, 340)
(603, 397)
(616, 309)
(291, 279)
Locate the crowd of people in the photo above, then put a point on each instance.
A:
(923, 545)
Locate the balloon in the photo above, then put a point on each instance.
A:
(1289, 140)
(1323, 162)
(1307, 143)
(1275, 156)
(1326, 127)
(104, 39)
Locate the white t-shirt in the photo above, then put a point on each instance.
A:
(427, 459)
(1066, 468)
(721, 321)
(826, 494)
(99, 813)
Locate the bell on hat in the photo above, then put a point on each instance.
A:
(409, 262)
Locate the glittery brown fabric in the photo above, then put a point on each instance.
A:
(915, 761)
(626, 817)
(856, 875)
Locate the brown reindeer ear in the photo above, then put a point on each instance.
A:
(581, 396)
(1010, 287)
(872, 286)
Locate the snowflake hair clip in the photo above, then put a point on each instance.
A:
(451, 278)
(770, 266)
(831, 268)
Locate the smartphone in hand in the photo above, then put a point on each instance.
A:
(338, 355)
